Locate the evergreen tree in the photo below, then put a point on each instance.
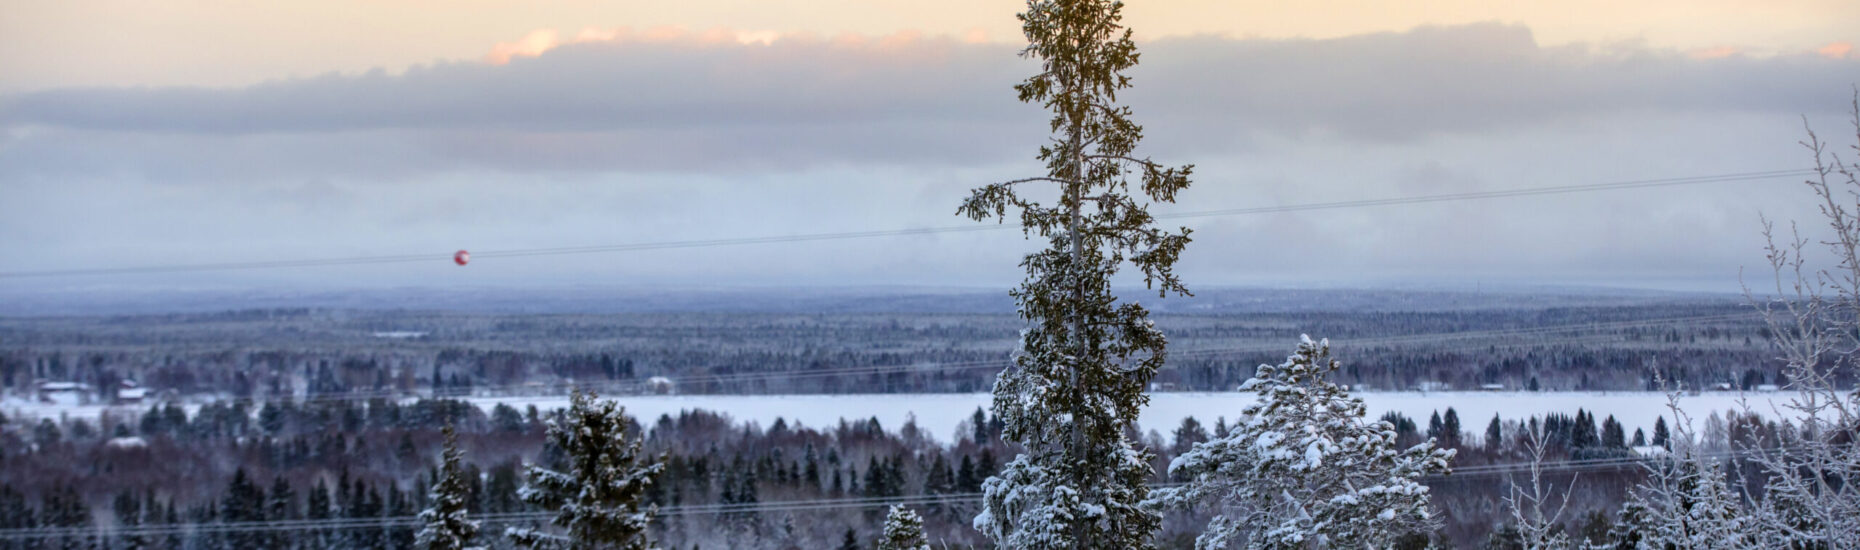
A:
(317, 507)
(1084, 359)
(1494, 435)
(939, 479)
(1304, 470)
(1640, 438)
(1582, 433)
(445, 525)
(850, 541)
(967, 481)
(1405, 433)
(500, 492)
(1450, 429)
(1686, 503)
(1613, 436)
(128, 509)
(399, 505)
(368, 506)
(281, 503)
(1661, 437)
(244, 503)
(904, 530)
(878, 480)
(1187, 435)
(1625, 534)
(810, 474)
(597, 497)
(978, 423)
(17, 513)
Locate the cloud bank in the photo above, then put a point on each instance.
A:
(706, 102)
(636, 137)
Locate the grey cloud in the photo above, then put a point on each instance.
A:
(577, 88)
(727, 107)
(618, 143)
(1394, 86)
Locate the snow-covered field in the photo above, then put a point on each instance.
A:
(940, 414)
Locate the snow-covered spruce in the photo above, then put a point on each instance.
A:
(904, 530)
(597, 497)
(445, 525)
(1686, 504)
(1302, 469)
(1085, 357)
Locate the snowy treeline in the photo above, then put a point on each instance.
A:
(372, 468)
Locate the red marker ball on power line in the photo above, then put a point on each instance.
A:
(461, 257)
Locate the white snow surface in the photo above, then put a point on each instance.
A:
(940, 414)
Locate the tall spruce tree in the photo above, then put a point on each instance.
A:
(446, 526)
(1078, 378)
(597, 497)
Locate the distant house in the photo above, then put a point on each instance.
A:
(401, 334)
(1722, 386)
(1433, 385)
(127, 443)
(130, 393)
(68, 393)
(660, 385)
(1491, 387)
(1768, 387)
(1651, 450)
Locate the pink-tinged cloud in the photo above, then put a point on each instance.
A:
(1719, 52)
(542, 41)
(643, 86)
(1837, 50)
(531, 45)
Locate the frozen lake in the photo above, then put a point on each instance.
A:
(940, 414)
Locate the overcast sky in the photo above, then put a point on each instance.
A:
(202, 131)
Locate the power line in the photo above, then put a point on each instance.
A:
(808, 237)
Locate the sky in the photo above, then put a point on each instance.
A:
(206, 131)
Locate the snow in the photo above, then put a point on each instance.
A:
(127, 443)
(940, 413)
(400, 334)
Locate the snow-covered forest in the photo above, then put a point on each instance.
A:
(378, 461)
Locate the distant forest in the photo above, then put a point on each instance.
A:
(1602, 344)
